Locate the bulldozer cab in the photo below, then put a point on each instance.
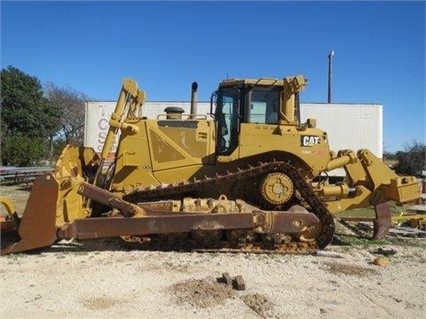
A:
(246, 101)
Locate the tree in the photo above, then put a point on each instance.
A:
(411, 161)
(23, 150)
(71, 103)
(28, 119)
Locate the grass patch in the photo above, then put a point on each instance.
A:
(358, 212)
(369, 211)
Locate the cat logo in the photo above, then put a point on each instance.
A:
(309, 140)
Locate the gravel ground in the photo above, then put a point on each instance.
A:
(103, 279)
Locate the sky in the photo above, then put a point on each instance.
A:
(91, 46)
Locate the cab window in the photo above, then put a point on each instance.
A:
(228, 121)
(264, 105)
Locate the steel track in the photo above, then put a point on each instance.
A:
(252, 173)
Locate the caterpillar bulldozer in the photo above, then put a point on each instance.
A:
(249, 176)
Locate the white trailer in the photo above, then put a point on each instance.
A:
(349, 126)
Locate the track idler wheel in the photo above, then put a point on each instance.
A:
(276, 189)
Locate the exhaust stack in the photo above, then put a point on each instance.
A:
(194, 98)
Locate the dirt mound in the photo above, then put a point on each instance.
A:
(202, 293)
(210, 292)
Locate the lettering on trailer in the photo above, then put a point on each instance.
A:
(309, 140)
(103, 125)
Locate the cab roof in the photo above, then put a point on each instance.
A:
(260, 81)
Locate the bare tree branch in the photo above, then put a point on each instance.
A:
(72, 105)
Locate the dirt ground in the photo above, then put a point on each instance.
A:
(105, 279)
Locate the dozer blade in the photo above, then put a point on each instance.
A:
(37, 227)
(383, 220)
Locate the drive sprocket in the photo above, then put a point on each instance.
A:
(276, 190)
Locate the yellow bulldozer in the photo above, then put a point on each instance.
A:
(249, 176)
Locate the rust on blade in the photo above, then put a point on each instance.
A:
(37, 228)
(121, 226)
(107, 198)
(291, 221)
(383, 220)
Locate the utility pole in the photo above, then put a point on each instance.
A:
(330, 67)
